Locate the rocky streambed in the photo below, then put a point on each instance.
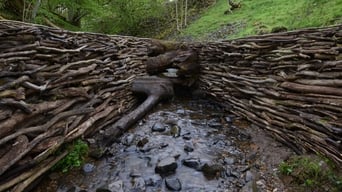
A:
(183, 145)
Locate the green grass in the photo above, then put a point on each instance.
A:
(260, 16)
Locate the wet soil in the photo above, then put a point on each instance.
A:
(183, 145)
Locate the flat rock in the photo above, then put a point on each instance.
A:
(158, 127)
(116, 186)
(173, 184)
(167, 165)
(192, 163)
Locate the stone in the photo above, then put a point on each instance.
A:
(249, 187)
(153, 181)
(158, 127)
(142, 142)
(180, 111)
(139, 184)
(192, 163)
(173, 184)
(214, 123)
(212, 170)
(188, 147)
(116, 186)
(103, 190)
(229, 160)
(186, 136)
(134, 173)
(228, 119)
(128, 139)
(166, 166)
(249, 176)
(130, 149)
(88, 168)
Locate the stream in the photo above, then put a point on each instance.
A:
(182, 145)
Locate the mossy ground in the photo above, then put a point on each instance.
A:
(262, 16)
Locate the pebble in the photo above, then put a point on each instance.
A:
(249, 176)
(158, 127)
(229, 160)
(166, 166)
(88, 168)
(139, 184)
(188, 147)
(228, 119)
(153, 180)
(192, 163)
(173, 184)
(214, 123)
(180, 111)
(128, 139)
(116, 186)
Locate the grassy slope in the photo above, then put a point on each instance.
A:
(263, 15)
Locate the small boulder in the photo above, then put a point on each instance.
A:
(166, 166)
(158, 127)
(173, 184)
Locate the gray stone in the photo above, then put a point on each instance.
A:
(188, 147)
(158, 127)
(128, 139)
(214, 123)
(186, 136)
(173, 184)
(228, 119)
(249, 176)
(180, 111)
(229, 160)
(88, 168)
(116, 186)
(139, 184)
(153, 181)
(167, 165)
(134, 173)
(192, 163)
(130, 149)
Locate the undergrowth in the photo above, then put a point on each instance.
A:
(308, 173)
(78, 150)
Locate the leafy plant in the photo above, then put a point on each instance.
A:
(77, 152)
(311, 173)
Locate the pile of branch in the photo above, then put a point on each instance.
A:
(56, 86)
(287, 83)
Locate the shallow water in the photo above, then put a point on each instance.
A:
(181, 145)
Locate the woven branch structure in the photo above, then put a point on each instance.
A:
(57, 85)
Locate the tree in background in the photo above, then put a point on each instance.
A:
(145, 18)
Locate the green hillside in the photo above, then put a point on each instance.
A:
(261, 16)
